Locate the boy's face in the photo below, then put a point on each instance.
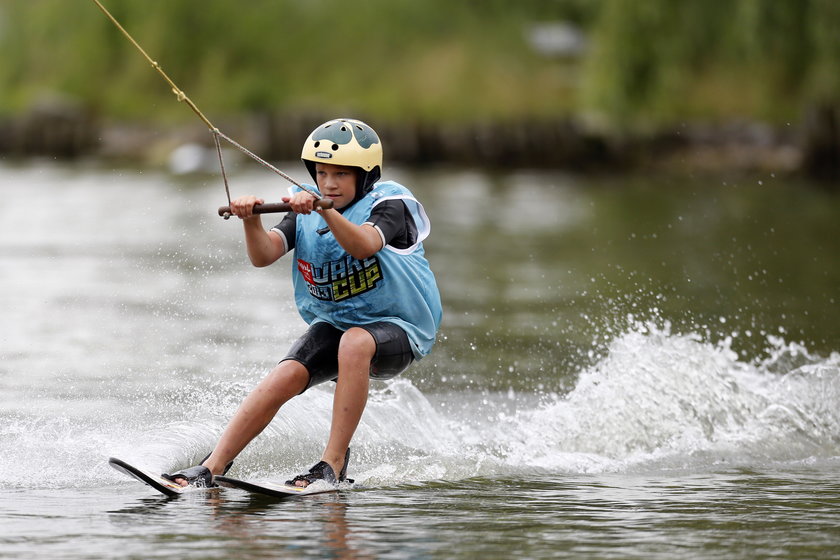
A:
(336, 182)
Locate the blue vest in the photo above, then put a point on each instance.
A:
(393, 285)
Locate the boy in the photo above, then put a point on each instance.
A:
(360, 281)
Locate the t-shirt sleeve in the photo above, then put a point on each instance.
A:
(394, 223)
(287, 229)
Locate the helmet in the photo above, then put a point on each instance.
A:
(347, 142)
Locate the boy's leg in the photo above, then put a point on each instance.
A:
(287, 379)
(355, 352)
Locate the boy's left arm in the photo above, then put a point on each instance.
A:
(361, 241)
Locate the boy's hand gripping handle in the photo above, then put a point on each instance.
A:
(274, 207)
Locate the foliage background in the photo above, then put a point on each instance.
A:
(645, 63)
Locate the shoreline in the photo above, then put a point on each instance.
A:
(67, 133)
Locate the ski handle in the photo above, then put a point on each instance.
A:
(274, 207)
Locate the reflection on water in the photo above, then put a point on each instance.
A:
(732, 513)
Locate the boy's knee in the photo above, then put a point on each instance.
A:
(289, 377)
(356, 345)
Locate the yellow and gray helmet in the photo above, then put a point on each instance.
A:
(347, 142)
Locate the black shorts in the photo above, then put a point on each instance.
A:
(317, 350)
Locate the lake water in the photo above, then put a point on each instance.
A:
(628, 368)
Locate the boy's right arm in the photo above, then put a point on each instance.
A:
(264, 247)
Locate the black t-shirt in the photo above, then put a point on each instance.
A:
(391, 218)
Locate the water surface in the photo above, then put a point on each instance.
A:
(640, 367)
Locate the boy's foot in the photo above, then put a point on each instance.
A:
(321, 471)
(198, 476)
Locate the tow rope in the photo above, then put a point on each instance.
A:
(224, 211)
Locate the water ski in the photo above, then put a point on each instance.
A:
(275, 489)
(154, 480)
